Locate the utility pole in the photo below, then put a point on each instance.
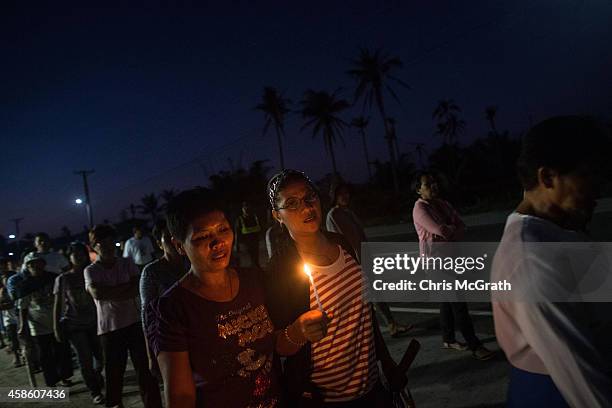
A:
(17, 236)
(85, 173)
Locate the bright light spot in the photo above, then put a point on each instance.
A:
(11, 254)
(307, 271)
(78, 201)
(117, 244)
(12, 236)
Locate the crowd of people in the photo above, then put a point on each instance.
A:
(218, 334)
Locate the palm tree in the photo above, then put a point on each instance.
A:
(420, 151)
(275, 108)
(449, 126)
(320, 110)
(167, 196)
(361, 123)
(393, 136)
(149, 206)
(132, 208)
(66, 232)
(490, 113)
(373, 72)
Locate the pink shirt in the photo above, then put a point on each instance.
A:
(436, 221)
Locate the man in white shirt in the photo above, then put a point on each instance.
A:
(55, 262)
(139, 248)
(550, 345)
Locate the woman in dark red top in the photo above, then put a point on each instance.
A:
(211, 332)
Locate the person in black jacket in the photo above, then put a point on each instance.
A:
(333, 344)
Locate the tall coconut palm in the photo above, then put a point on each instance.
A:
(420, 151)
(490, 113)
(373, 71)
(320, 111)
(393, 136)
(149, 206)
(275, 108)
(132, 208)
(361, 123)
(449, 125)
(167, 196)
(66, 233)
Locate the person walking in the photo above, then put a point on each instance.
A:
(113, 283)
(75, 320)
(332, 341)
(559, 352)
(210, 331)
(139, 248)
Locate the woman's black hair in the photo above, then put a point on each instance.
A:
(188, 205)
(77, 246)
(282, 179)
(159, 228)
(276, 184)
(338, 186)
(418, 179)
(100, 232)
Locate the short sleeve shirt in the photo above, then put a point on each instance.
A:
(157, 277)
(139, 250)
(114, 314)
(79, 309)
(230, 344)
(39, 305)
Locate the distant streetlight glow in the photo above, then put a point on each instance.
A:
(11, 254)
(78, 201)
(12, 236)
(117, 244)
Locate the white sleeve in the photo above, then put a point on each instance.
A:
(330, 224)
(63, 262)
(87, 277)
(127, 248)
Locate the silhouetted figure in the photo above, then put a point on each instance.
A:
(554, 348)
(247, 231)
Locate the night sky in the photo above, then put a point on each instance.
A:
(161, 98)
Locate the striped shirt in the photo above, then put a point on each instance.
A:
(344, 362)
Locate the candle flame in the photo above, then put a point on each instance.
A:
(307, 270)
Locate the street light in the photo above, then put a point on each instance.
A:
(11, 254)
(12, 236)
(78, 201)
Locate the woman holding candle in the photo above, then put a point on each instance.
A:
(341, 367)
(210, 331)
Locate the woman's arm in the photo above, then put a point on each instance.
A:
(422, 217)
(309, 327)
(179, 388)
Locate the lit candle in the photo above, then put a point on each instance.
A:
(314, 288)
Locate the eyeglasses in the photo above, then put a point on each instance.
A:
(294, 203)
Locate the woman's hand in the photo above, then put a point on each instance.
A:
(310, 326)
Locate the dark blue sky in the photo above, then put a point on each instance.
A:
(155, 99)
